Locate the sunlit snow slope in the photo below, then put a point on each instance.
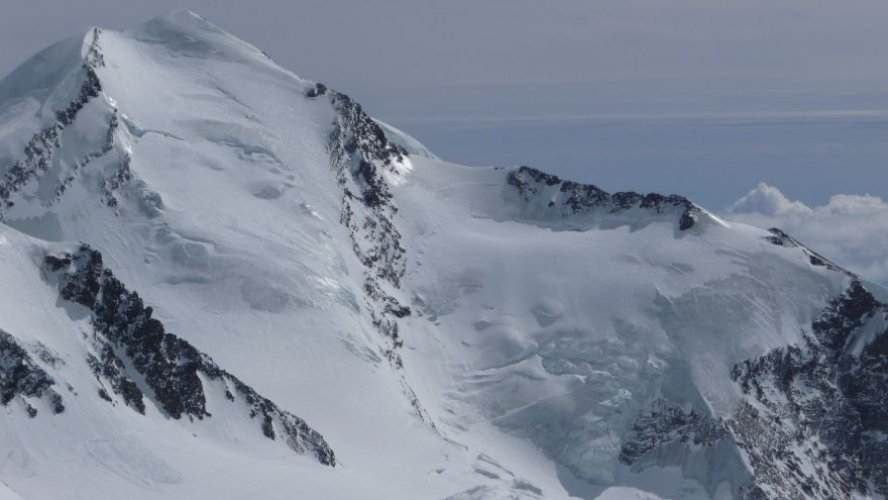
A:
(224, 281)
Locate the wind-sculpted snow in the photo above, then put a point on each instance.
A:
(128, 341)
(547, 197)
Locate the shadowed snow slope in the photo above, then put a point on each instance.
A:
(225, 281)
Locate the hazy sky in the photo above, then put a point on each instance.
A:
(667, 47)
(706, 98)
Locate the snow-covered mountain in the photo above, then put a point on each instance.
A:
(224, 281)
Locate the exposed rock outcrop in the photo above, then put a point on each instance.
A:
(815, 422)
(550, 196)
(136, 358)
(667, 422)
(21, 377)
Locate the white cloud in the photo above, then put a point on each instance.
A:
(855, 204)
(768, 200)
(852, 230)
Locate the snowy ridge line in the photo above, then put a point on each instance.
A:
(127, 340)
(546, 196)
(362, 157)
(780, 238)
(359, 152)
(41, 148)
(813, 424)
(93, 56)
(412, 146)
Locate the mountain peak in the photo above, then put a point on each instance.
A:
(264, 268)
(186, 33)
(55, 71)
(180, 15)
(181, 21)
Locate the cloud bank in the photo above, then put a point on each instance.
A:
(851, 230)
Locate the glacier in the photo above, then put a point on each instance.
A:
(222, 280)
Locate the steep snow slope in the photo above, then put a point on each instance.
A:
(203, 174)
(336, 313)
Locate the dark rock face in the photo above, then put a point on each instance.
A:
(317, 90)
(20, 376)
(666, 422)
(94, 55)
(816, 419)
(572, 198)
(128, 340)
(107, 366)
(360, 153)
